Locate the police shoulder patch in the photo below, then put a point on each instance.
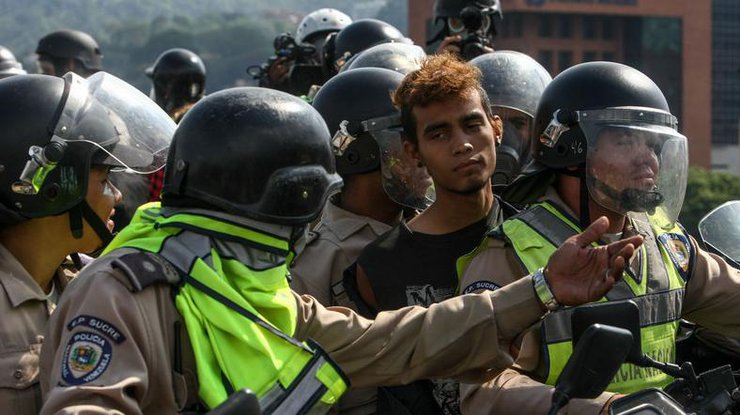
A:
(86, 357)
(98, 324)
(480, 285)
(679, 250)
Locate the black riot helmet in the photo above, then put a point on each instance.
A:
(400, 57)
(71, 44)
(514, 83)
(366, 129)
(178, 78)
(252, 152)
(358, 36)
(57, 128)
(600, 117)
(9, 65)
(453, 8)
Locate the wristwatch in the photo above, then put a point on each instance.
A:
(543, 291)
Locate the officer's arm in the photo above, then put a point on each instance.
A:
(457, 338)
(512, 392)
(713, 293)
(97, 354)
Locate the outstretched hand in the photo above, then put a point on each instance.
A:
(579, 272)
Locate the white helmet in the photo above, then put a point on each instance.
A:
(321, 21)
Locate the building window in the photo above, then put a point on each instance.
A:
(565, 60)
(590, 55)
(588, 27)
(517, 22)
(544, 57)
(607, 28)
(545, 25)
(565, 26)
(608, 56)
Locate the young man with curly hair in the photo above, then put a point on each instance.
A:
(448, 127)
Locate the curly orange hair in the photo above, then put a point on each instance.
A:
(441, 77)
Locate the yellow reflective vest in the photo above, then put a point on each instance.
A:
(657, 286)
(237, 307)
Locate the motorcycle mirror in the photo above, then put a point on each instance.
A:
(622, 314)
(720, 232)
(241, 402)
(595, 360)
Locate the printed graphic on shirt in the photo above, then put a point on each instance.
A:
(86, 357)
(426, 295)
(445, 391)
(99, 325)
(480, 285)
(679, 249)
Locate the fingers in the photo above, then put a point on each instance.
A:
(593, 232)
(615, 247)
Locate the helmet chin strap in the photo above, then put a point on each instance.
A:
(631, 199)
(83, 210)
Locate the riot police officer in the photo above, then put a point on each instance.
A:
(468, 26)
(63, 136)
(514, 83)
(604, 144)
(356, 37)
(69, 51)
(9, 65)
(191, 301)
(178, 81)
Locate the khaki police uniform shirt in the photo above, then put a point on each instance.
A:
(24, 310)
(134, 333)
(332, 246)
(712, 299)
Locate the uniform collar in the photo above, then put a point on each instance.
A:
(18, 283)
(344, 223)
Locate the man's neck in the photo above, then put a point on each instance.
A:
(570, 191)
(451, 211)
(37, 249)
(364, 195)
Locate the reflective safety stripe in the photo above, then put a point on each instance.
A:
(658, 291)
(558, 329)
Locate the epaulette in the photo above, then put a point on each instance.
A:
(144, 269)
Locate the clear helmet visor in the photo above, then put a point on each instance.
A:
(130, 131)
(636, 161)
(720, 229)
(512, 153)
(404, 181)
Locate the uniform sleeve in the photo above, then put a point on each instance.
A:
(712, 295)
(317, 268)
(514, 393)
(511, 391)
(98, 352)
(463, 337)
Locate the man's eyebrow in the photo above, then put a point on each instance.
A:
(473, 116)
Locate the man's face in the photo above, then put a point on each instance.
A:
(101, 196)
(625, 159)
(455, 140)
(45, 67)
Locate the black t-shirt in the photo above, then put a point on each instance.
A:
(412, 268)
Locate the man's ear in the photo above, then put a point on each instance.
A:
(412, 151)
(498, 128)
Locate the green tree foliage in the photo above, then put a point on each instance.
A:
(228, 34)
(705, 191)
